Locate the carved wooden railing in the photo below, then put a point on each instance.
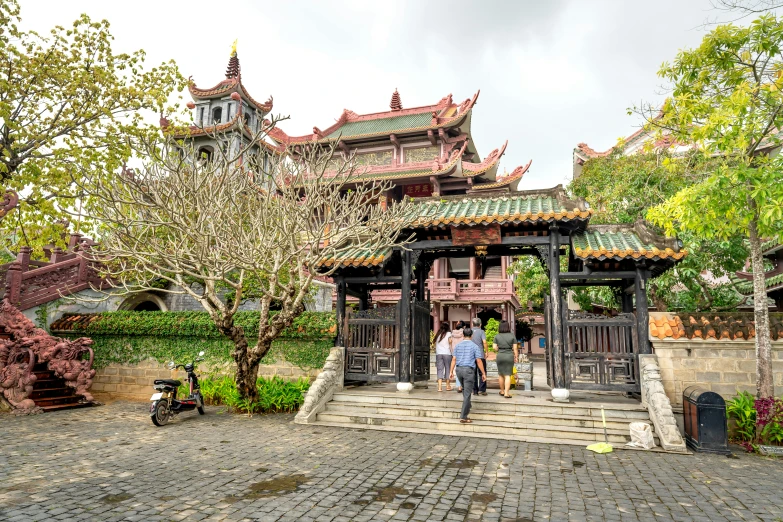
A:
(27, 283)
(461, 289)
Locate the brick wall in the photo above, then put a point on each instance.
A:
(723, 366)
(134, 381)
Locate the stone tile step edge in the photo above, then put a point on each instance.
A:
(411, 401)
(410, 412)
(499, 436)
(506, 409)
(414, 422)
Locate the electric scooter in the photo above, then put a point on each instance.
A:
(165, 403)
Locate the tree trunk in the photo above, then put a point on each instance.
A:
(247, 363)
(764, 383)
(247, 375)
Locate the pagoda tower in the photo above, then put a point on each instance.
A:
(225, 115)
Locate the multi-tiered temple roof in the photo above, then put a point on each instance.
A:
(428, 146)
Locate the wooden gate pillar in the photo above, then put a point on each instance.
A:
(421, 281)
(405, 318)
(364, 298)
(626, 297)
(642, 313)
(557, 308)
(340, 311)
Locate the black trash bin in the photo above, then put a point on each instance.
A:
(704, 413)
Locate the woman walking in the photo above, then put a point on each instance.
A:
(508, 353)
(460, 326)
(443, 352)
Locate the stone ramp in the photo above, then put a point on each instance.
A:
(527, 416)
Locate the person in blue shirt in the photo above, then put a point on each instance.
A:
(467, 357)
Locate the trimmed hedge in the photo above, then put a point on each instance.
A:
(130, 337)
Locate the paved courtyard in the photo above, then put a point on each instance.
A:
(111, 463)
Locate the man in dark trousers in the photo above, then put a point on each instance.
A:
(467, 357)
(480, 338)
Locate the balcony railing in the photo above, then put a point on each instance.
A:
(458, 290)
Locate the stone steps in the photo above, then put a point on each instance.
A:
(483, 414)
(50, 392)
(531, 418)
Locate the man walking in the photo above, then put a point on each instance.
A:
(467, 357)
(480, 338)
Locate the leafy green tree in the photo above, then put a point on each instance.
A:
(68, 102)
(622, 188)
(726, 97)
(531, 281)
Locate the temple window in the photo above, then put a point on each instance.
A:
(217, 114)
(429, 153)
(248, 120)
(377, 158)
(205, 153)
(201, 116)
(228, 112)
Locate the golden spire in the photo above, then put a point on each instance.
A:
(234, 48)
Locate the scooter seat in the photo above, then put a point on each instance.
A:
(168, 382)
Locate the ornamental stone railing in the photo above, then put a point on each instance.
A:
(657, 403)
(22, 346)
(329, 381)
(27, 282)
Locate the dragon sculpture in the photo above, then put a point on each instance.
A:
(29, 345)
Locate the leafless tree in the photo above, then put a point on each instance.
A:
(277, 219)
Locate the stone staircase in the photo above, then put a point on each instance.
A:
(50, 392)
(528, 416)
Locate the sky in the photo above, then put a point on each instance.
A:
(552, 73)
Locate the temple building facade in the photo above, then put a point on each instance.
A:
(429, 152)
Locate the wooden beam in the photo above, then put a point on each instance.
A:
(597, 275)
(340, 312)
(558, 372)
(642, 313)
(365, 280)
(431, 137)
(405, 318)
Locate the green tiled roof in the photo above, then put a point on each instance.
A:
(501, 209)
(773, 244)
(383, 125)
(618, 242)
(745, 286)
(359, 256)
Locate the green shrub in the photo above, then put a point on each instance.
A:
(491, 330)
(743, 410)
(130, 337)
(274, 394)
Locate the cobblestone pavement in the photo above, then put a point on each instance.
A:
(111, 463)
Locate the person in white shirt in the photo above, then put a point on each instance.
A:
(443, 352)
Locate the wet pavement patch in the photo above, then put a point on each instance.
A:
(262, 470)
(483, 498)
(119, 497)
(577, 464)
(276, 486)
(459, 511)
(388, 494)
(360, 502)
(408, 505)
(166, 498)
(462, 464)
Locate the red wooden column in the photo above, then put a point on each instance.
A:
(503, 266)
(473, 268)
(13, 278)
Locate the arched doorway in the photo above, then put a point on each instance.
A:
(487, 313)
(144, 302)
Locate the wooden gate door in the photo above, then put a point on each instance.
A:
(601, 352)
(372, 351)
(420, 340)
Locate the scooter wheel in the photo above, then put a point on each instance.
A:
(160, 413)
(201, 408)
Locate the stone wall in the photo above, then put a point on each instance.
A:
(134, 381)
(723, 366)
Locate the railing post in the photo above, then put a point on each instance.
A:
(340, 311)
(73, 241)
(23, 258)
(13, 279)
(57, 253)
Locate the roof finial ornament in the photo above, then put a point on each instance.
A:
(232, 71)
(396, 104)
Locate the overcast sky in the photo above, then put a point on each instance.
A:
(551, 73)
